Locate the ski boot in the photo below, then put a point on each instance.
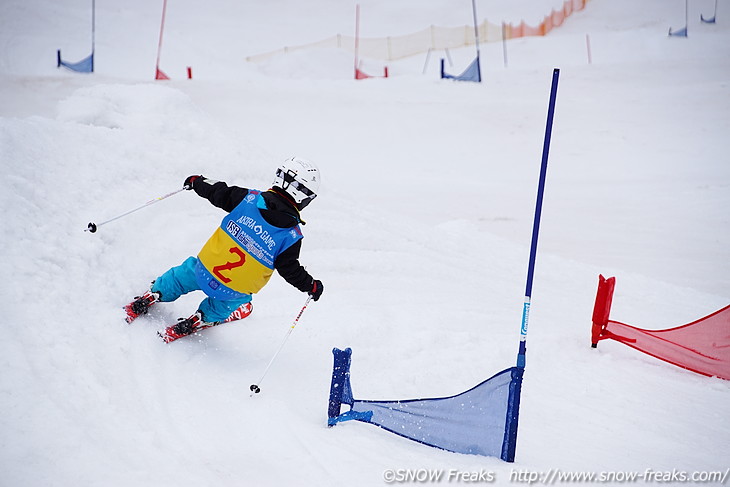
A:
(141, 305)
(185, 327)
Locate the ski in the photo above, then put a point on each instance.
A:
(190, 326)
(242, 312)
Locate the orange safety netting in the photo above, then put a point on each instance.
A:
(552, 20)
(702, 346)
(434, 37)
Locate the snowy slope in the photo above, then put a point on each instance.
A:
(420, 235)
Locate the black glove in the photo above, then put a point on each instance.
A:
(317, 289)
(188, 184)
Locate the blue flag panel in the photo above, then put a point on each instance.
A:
(480, 421)
(471, 422)
(471, 73)
(86, 65)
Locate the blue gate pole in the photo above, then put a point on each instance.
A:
(509, 443)
(93, 32)
(536, 224)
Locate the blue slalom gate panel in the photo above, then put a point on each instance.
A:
(471, 73)
(86, 65)
(480, 421)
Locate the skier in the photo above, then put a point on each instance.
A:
(260, 233)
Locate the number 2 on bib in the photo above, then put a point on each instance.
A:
(229, 265)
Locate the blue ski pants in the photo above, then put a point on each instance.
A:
(181, 280)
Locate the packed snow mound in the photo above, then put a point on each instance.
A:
(139, 107)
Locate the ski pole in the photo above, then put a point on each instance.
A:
(255, 387)
(93, 226)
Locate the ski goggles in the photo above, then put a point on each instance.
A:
(289, 179)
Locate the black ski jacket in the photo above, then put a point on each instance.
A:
(280, 213)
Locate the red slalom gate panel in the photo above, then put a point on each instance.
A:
(702, 346)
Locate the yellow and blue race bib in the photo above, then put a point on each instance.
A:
(239, 257)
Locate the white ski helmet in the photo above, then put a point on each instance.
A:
(299, 178)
